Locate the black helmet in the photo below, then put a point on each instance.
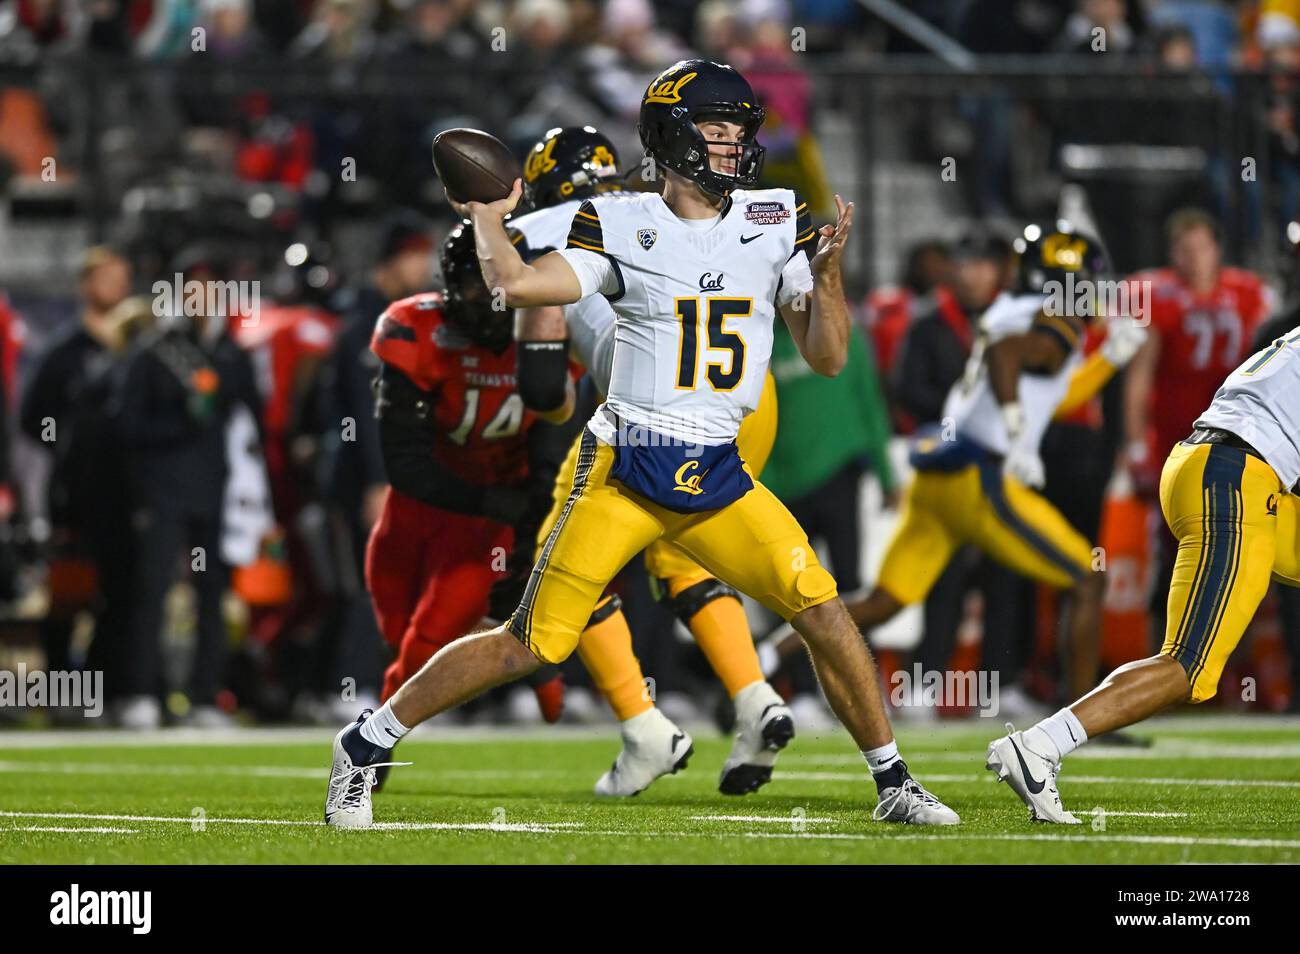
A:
(307, 276)
(681, 96)
(570, 162)
(468, 301)
(1049, 253)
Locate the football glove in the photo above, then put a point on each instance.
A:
(1124, 337)
(1024, 465)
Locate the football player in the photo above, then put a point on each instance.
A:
(565, 168)
(1228, 496)
(976, 473)
(1202, 317)
(977, 470)
(455, 437)
(696, 276)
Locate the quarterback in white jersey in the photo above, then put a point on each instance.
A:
(695, 298)
(567, 166)
(694, 276)
(1227, 493)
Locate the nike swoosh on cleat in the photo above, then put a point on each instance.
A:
(1031, 783)
(677, 737)
(768, 708)
(746, 239)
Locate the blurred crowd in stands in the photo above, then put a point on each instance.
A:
(147, 447)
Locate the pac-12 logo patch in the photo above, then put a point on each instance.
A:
(766, 213)
(646, 237)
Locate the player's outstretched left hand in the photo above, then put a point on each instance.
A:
(830, 247)
(498, 209)
(1024, 464)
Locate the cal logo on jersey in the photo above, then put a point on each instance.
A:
(687, 482)
(647, 238)
(669, 90)
(766, 213)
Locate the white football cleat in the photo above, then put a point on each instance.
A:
(1031, 776)
(139, 713)
(910, 804)
(764, 726)
(347, 800)
(653, 746)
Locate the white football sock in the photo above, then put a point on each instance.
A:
(1060, 734)
(882, 759)
(383, 728)
(633, 725)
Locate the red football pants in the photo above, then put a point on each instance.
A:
(429, 573)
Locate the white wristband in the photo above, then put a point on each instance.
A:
(1013, 416)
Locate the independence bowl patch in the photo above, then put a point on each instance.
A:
(766, 213)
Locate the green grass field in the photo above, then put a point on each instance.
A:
(1208, 790)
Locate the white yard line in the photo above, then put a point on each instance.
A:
(527, 827)
(71, 830)
(1116, 839)
(761, 819)
(103, 737)
(274, 771)
(1066, 780)
(430, 771)
(97, 738)
(576, 829)
(1170, 749)
(134, 768)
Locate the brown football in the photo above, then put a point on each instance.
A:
(473, 165)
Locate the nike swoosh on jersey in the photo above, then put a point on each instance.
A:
(746, 239)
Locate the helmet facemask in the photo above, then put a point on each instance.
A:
(683, 148)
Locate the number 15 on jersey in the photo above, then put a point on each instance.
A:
(722, 375)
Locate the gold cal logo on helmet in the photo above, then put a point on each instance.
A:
(1061, 251)
(539, 161)
(668, 91)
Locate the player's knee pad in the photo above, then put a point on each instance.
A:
(695, 597)
(605, 610)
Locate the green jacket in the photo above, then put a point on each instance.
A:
(825, 423)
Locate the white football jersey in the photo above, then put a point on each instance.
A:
(694, 303)
(1260, 403)
(972, 406)
(590, 321)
